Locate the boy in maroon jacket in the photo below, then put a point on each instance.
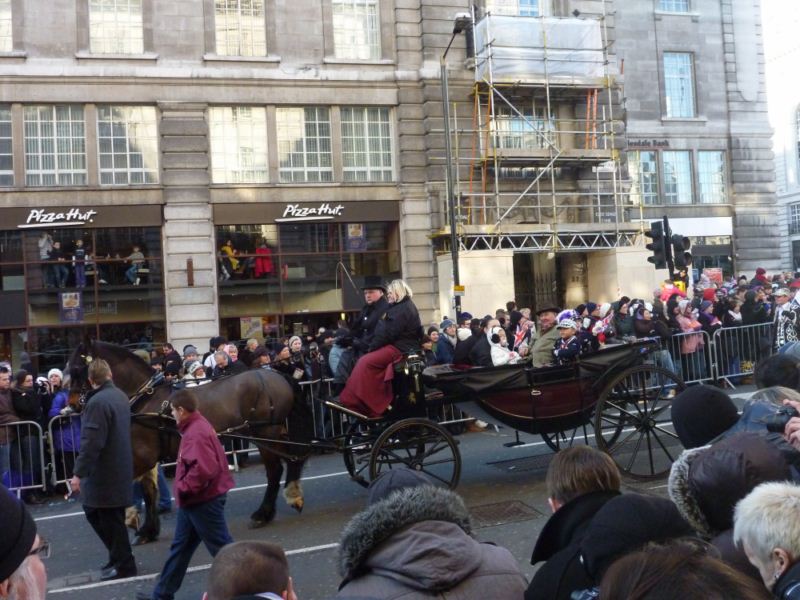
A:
(202, 481)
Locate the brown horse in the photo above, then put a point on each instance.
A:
(256, 403)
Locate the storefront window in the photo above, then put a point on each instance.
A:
(62, 285)
(298, 272)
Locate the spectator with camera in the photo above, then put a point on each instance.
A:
(26, 459)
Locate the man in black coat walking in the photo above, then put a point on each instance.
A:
(104, 469)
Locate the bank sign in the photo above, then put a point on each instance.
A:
(74, 217)
(323, 212)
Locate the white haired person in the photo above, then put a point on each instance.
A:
(369, 387)
(501, 353)
(767, 526)
(22, 574)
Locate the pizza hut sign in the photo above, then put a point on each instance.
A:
(74, 217)
(323, 212)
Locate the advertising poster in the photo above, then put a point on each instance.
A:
(714, 275)
(250, 327)
(356, 236)
(70, 307)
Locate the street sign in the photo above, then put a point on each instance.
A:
(458, 290)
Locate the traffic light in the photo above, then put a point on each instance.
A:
(658, 246)
(680, 251)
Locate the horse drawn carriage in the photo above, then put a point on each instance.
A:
(618, 392)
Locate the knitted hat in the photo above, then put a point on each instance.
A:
(795, 284)
(700, 413)
(463, 333)
(705, 304)
(19, 532)
(445, 324)
(193, 366)
(395, 480)
(761, 271)
(52, 372)
(465, 316)
(293, 338)
(604, 308)
(782, 292)
(709, 294)
(189, 349)
(566, 324)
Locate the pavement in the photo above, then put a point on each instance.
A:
(503, 487)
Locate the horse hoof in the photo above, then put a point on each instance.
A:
(141, 541)
(260, 518)
(298, 506)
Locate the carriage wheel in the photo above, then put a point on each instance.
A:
(357, 451)
(633, 421)
(565, 438)
(418, 444)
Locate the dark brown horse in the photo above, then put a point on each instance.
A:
(256, 403)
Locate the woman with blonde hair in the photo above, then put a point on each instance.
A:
(399, 331)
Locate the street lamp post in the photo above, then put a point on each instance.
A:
(461, 22)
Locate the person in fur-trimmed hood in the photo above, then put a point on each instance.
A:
(705, 484)
(415, 539)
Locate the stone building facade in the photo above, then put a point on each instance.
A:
(183, 124)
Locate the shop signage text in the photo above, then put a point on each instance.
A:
(323, 212)
(38, 217)
(648, 143)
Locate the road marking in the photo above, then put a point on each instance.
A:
(236, 489)
(195, 569)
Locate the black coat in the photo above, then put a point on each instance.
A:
(27, 404)
(788, 586)
(399, 326)
(461, 354)
(559, 545)
(233, 368)
(105, 461)
(481, 353)
(364, 326)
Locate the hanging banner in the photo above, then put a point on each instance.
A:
(70, 307)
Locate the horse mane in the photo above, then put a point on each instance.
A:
(120, 353)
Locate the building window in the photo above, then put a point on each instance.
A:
(356, 29)
(674, 6)
(643, 170)
(794, 218)
(239, 26)
(238, 144)
(6, 151)
(530, 130)
(115, 27)
(6, 36)
(366, 144)
(677, 177)
(517, 8)
(55, 146)
(679, 84)
(127, 139)
(711, 174)
(304, 144)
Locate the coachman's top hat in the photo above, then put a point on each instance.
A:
(374, 282)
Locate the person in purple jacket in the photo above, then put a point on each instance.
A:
(202, 482)
(66, 431)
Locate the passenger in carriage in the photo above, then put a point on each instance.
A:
(481, 353)
(427, 351)
(568, 348)
(542, 348)
(463, 350)
(519, 331)
(501, 353)
(369, 387)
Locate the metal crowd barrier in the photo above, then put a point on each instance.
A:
(739, 349)
(22, 458)
(691, 355)
(64, 443)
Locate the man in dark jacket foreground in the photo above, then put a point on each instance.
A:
(580, 480)
(104, 469)
(202, 482)
(415, 540)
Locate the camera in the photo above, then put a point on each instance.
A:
(777, 421)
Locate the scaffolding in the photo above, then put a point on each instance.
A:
(538, 165)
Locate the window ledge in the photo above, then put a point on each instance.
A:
(332, 60)
(695, 16)
(271, 58)
(684, 119)
(312, 184)
(146, 56)
(18, 54)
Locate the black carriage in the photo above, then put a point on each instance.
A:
(616, 397)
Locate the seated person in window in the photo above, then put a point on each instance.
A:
(568, 347)
(230, 253)
(136, 258)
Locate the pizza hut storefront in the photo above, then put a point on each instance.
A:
(71, 272)
(287, 268)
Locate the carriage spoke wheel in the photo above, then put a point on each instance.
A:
(566, 438)
(633, 421)
(357, 450)
(418, 444)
